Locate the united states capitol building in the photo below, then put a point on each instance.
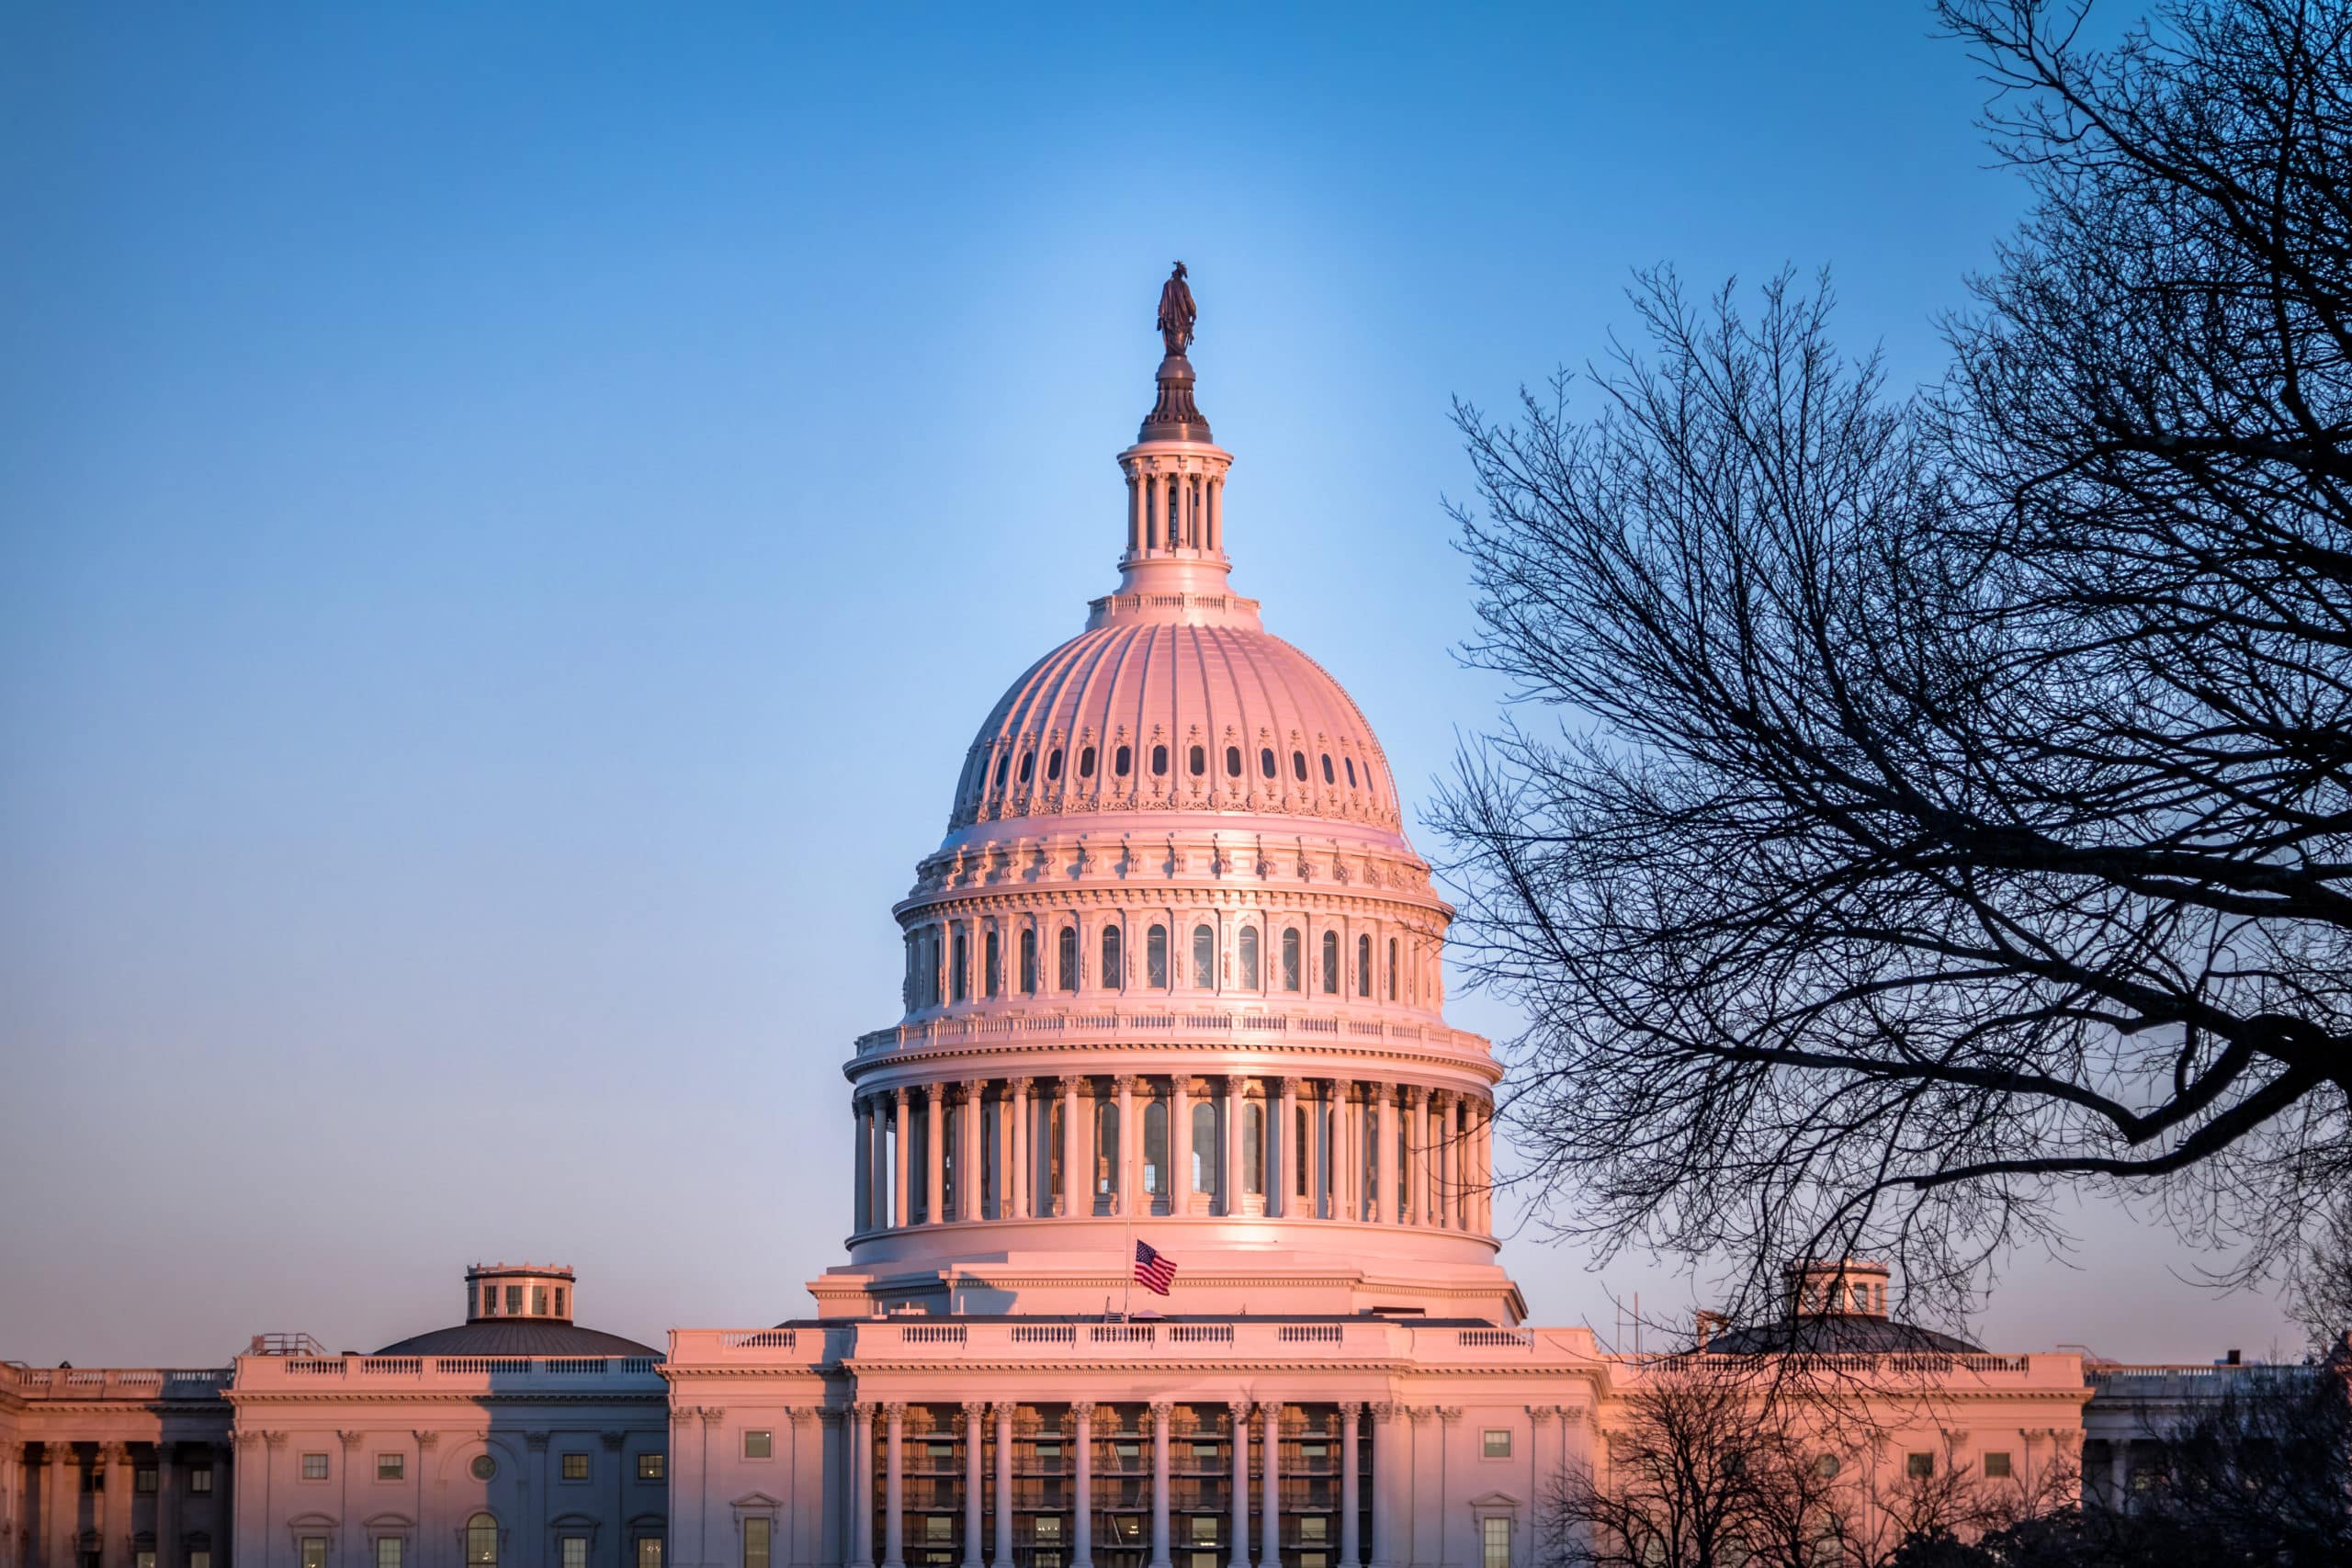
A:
(1174, 973)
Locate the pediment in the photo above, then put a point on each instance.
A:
(388, 1522)
(1496, 1500)
(751, 1502)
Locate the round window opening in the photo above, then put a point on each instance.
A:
(484, 1467)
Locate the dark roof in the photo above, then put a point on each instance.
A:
(1838, 1335)
(521, 1336)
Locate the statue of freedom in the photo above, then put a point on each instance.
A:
(1176, 312)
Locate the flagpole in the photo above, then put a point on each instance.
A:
(1127, 1291)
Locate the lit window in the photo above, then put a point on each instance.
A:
(1233, 761)
(1494, 1541)
(1203, 957)
(1155, 958)
(1298, 766)
(1066, 957)
(388, 1551)
(481, 1542)
(1919, 1466)
(314, 1467)
(1495, 1442)
(652, 1467)
(1158, 761)
(1054, 765)
(758, 1445)
(314, 1552)
(1290, 960)
(392, 1467)
(1113, 973)
(575, 1550)
(1086, 763)
(200, 1557)
(649, 1551)
(200, 1479)
(1363, 967)
(144, 1558)
(1122, 761)
(1997, 1466)
(756, 1543)
(1204, 1525)
(1266, 760)
(938, 1529)
(1248, 944)
(143, 1478)
(1197, 762)
(1314, 1527)
(1331, 964)
(575, 1467)
(1328, 776)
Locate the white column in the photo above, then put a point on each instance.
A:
(899, 1161)
(1270, 1506)
(1022, 1173)
(1180, 1144)
(971, 1162)
(1387, 1476)
(1417, 1147)
(861, 1485)
(973, 1480)
(1003, 1485)
(1083, 1547)
(1072, 1182)
(1162, 1412)
(1241, 1411)
(1441, 1152)
(894, 1487)
(861, 1203)
(1235, 1088)
(1351, 1415)
(1383, 1186)
(935, 1154)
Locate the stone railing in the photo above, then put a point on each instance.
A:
(1254, 1027)
(311, 1374)
(2194, 1380)
(116, 1382)
(1352, 1341)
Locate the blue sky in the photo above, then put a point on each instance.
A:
(509, 517)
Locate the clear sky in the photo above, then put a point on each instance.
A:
(510, 516)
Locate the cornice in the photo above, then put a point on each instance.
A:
(1265, 1059)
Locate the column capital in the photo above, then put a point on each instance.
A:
(1290, 1085)
(1240, 1409)
(1386, 1410)
(1017, 1087)
(1449, 1414)
(799, 1414)
(901, 1094)
(1237, 1084)
(1070, 1082)
(1351, 1409)
(831, 1415)
(1082, 1409)
(350, 1440)
(894, 1410)
(974, 1409)
(1005, 1409)
(710, 1414)
(1417, 1095)
(614, 1440)
(681, 1415)
(1161, 1409)
(1125, 1083)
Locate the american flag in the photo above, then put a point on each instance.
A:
(1153, 1272)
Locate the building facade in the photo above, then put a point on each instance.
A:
(1173, 974)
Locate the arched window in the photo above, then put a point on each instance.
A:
(1290, 960)
(1253, 1147)
(961, 969)
(1197, 761)
(1205, 957)
(1266, 760)
(1297, 766)
(1155, 958)
(1154, 1149)
(1106, 1144)
(1029, 963)
(1122, 761)
(1114, 975)
(1233, 761)
(1028, 765)
(1066, 958)
(1363, 967)
(1054, 766)
(1208, 1171)
(992, 965)
(1159, 761)
(1002, 764)
(1328, 777)
(1249, 942)
(1392, 969)
(481, 1542)
(1086, 763)
(1350, 761)
(1331, 964)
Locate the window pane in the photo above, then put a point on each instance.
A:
(1155, 958)
(1249, 958)
(390, 1467)
(1029, 963)
(575, 1552)
(1208, 1171)
(649, 1467)
(756, 1543)
(200, 1480)
(756, 1445)
(1203, 957)
(1254, 1148)
(481, 1542)
(388, 1551)
(314, 1467)
(1498, 1443)
(1331, 962)
(1364, 966)
(575, 1467)
(1495, 1542)
(1066, 957)
(1113, 972)
(314, 1552)
(1997, 1465)
(1290, 961)
(649, 1551)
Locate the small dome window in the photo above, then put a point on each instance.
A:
(1297, 766)
(1086, 763)
(1054, 766)
(1233, 761)
(1266, 760)
(1003, 765)
(1159, 761)
(1122, 761)
(1198, 762)
(1351, 762)
(1328, 777)
(1029, 765)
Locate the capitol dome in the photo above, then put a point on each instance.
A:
(1173, 974)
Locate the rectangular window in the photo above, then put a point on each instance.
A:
(1997, 1466)
(538, 1301)
(514, 1301)
(143, 1478)
(758, 1445)
(756, 1543)
(1204, 1530)
(314, 1467)
(388, 1551)
(575, 1467)
(1918, 1465)
(649, 1551)
(651, 1467)
(144, 1559)
(938, 1529)
(314, 1552)
(1493, 1541)
(201, 1479)
(559, 1302)
(1312, 1526)
(201, 1557)
(1495, 1442)
(392, 1467)
(575, 1550)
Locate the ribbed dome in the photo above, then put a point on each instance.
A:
(1161, 715)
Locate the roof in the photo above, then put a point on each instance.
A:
(517, 1337)
(1836, 1335)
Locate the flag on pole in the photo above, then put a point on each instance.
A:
(1153, 1272)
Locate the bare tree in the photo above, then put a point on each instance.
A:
(2319, 1294)
(1950, 801)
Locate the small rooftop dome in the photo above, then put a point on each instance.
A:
(1844, 1287)
(518, 1289)
(518, 1309)
(1835, 1306)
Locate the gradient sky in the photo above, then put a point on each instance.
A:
(510, 517)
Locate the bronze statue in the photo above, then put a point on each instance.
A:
(1176, 312)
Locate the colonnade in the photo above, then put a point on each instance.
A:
(1170, 510)
(45, 1499)
(1374, 1152)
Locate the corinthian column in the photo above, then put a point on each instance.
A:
(1003, 1485)
(1130, 1147)
(899, 1161)
(973, 1480)
(1350, 1417)
(1161, 1414)
(1083, 1547)
(1073, 1182)
(935, 1154)
(1287, 1152)
(1240, 1410)
(1269, 1508)
(1180, 1146)
(894, 1487)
